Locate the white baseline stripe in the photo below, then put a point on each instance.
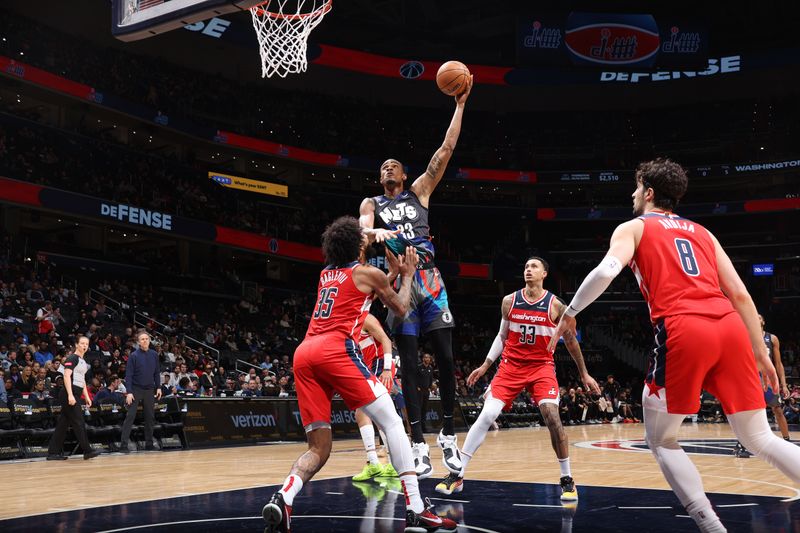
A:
(446, 500)
(739, 505)
(537, 505)
(336, 493)
(667, 507)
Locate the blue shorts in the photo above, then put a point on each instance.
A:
(429, 309)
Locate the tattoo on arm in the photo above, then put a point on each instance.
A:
(434, 166)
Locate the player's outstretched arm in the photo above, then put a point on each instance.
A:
(366, 219)
(424, 185)
(497, 345)
(373, 327)
(733, 287)
(574, 349)
(620, 253)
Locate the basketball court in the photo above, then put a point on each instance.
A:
(512, 486)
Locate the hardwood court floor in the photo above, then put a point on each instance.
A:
(508, 455)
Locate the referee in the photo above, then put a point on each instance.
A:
(142, 381)
(75, 368)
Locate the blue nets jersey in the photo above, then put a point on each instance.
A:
(405, 213)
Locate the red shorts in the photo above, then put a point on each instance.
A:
(695, 352)
(326, 364)
(513, 378)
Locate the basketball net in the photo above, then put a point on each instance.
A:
(283, 27)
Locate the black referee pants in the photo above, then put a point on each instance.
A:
(71, 416)
(148, 407)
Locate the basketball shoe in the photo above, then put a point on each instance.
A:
(452, 483)
(388, 471)
(451, 457)
(369, 471)
(422, 460)
(568, 491)
(741, 452)
(427, 522)
(277, 515)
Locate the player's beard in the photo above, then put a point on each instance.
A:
(390, 183)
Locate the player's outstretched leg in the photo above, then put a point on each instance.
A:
(780, 419)
(752, 429)
(661, 432)
(560, 443)
(419, 518)
(277, 512)
(477, 433)
(373, 468)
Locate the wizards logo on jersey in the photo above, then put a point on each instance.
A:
(612, 39)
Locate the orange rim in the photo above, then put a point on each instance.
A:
(321, 10)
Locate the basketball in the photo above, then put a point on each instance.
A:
(452, 78)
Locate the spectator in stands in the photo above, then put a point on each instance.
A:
(43, 354)
(166, 388)
(185, 387)
(12, 393)
(252, 389)
(44, 318)
(3, 396)
(25, 382)
(9, 361)
(39, 391)
(285, 387)
(109, 393)
(792, 410)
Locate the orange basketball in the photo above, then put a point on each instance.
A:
(452, 78)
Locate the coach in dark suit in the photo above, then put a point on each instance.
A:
(142, 383)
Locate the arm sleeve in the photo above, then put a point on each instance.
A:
(595, 284)
(497, 345)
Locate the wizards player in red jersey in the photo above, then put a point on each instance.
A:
(529, 320)
(328, 360)
(694, 293)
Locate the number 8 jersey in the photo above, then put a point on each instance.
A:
(340, 308)
(676, 267)
(529, 330)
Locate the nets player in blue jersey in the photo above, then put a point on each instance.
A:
(399, 217)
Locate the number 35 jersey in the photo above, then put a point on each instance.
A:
(676, 267)
(340, 308)
(529, 330)
(405, 213)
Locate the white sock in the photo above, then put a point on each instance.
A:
(411, 490)
(290, 488)
(705, 517)
(564, 465)
(368, 437)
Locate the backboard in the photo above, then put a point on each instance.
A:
(139, 19)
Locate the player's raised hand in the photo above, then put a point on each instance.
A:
(768, 374)
(565, 326)
(408, 261)
(462, 98)
(393, 264)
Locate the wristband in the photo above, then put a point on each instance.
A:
(387, 361)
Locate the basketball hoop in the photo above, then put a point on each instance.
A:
(282, 28)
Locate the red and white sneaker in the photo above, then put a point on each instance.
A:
(277, 515)
(427, 522)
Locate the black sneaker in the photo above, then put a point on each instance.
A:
(741, 452)
(427, 522)
(90, 455)
(568, 491)
(277, 515)
(57, 457)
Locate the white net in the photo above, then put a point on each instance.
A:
(283, 27)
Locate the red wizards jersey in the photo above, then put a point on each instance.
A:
(369, 348)
(529, 330)
(341, 308)
(676, 267)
